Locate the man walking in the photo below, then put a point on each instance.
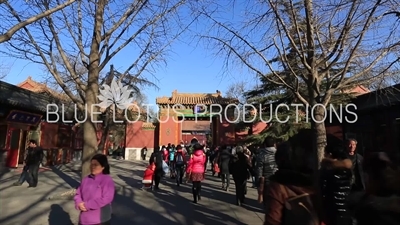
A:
(32, 162)
(358, 183)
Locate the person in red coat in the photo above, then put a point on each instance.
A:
(196, 170)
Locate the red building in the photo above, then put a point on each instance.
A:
(22, 117)
(187, 116)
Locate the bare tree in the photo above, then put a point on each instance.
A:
(4, 70)
(7, 33)
(360, 36)
(93, 33)
(237, 90)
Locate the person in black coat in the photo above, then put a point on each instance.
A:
(240, 168)
(358, 183)
(143, 153)
(336, 180)
(224, 159)
(157, 158)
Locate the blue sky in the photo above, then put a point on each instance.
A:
(190, 68)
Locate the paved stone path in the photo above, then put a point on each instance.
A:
(170, 206)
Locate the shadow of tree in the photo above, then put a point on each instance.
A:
(135, 183)
(68, 179)
(189, 212)
(58, 216)
(127, 211)
(23, 210)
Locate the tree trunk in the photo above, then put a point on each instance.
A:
(89, 146)
(105, 131)
(320, 134)
(107, 120)
(319, 143)
(89, 126)
(92, 91)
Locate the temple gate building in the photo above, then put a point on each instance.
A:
(194, 116)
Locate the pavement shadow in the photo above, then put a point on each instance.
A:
(58, 216)
(210, 191)
(183, 211)
(135, 183)
(134, 171)
(68, 179)
(128, 211)
(12, 177)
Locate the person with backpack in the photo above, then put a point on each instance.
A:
(180, 162)
(289, 198)
(157, 158)
(171, 161)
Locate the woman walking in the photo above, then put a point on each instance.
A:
(196, 170)
(94, 196)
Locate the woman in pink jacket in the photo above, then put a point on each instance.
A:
(95, 194)
(196, 170)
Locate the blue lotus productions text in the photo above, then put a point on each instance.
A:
(331, 113)
(339, 113)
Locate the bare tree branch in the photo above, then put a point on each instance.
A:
(4, 70)
(77, 42)
(10, 32)
(325, 46)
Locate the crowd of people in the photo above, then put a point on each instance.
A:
(347, 189)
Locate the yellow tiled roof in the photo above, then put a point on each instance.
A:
(195, 98)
